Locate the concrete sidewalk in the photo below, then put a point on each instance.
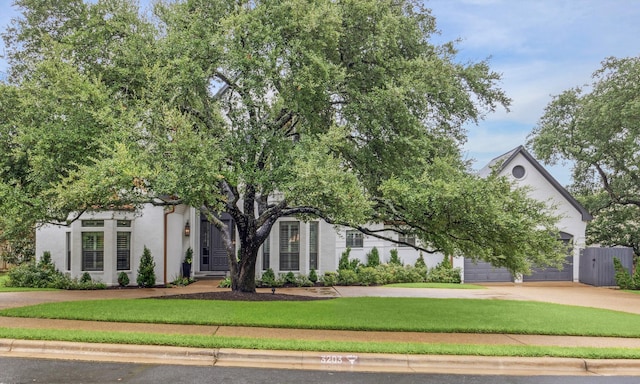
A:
(599, 297)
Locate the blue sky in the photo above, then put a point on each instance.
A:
(541, 47)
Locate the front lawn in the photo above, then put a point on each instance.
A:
(199, 341)
(361, 313)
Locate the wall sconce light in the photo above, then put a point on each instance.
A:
(187, 229)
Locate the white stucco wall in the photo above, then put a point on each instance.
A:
(147, 229)
(407, 254)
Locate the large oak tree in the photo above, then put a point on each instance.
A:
(597, 127)
(340, 110)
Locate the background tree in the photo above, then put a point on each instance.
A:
(339, 110)
(597, 127)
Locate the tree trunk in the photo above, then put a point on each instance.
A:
(243, 279)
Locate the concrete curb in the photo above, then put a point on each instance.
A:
(360, 362)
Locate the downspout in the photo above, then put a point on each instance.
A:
(166, 214)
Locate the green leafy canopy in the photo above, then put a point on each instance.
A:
(339, 110)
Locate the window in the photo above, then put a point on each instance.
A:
(518, 171)
(313, 245)
(266, 254)
(411, 239)
(123, 224)
(68, 250)
(354, 239)
(289, 246)
(93, 223)
(123, 251)
(92, 251)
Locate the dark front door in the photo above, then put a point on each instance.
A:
(213, 254)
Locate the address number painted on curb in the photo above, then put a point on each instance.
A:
(338, 359)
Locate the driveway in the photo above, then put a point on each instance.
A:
(567, 293)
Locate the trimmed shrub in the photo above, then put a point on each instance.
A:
(290, 278)
(395, 259)
(368, 276)
(622, 276)
(85, 278)
(420, 262)
(330, 279)
(303, 281)
(146, 271)
(343, 263)
(313, 276)
(444, 273)
(123, 279)
(45, 275)
(347, 277)
(373, 258)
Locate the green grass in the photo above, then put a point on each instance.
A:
(3, 279)
(362, 313)
(5, 276)
(435, 285)
(199, 341)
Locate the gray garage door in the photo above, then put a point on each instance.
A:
(483, 272)
(553, 274)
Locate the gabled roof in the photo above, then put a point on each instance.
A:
(503, 161)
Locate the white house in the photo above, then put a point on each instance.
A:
(110, 242)
(524, 170)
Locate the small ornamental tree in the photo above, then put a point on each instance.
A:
(394, 259)
(373, 258)
(146, 270)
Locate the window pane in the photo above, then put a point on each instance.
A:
(354, 239)
(93, 223)
(68, 249)
(411, 239)
(124, 223)
(123, 249)
(266, 254)
(313, 245)
(289, 246)
(92, 251)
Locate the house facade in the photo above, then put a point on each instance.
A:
(104, 244)
(525, 171)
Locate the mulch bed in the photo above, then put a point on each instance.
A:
(242, 296)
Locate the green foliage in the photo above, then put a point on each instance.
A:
(313, 276)
(394, 258)
(303, 281)
(225, 283)
(123, 279)
(341, 107)
(289, 278)
(603, 117)
(44, 274)
(85, 278)
(444, 273)
(329, 279)
(623, 278)
(369, 276)
(347, 277)
(188, 257)
(182, 281)
(344, 263)
(146, 271)
(420, 262)
(373, 258)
